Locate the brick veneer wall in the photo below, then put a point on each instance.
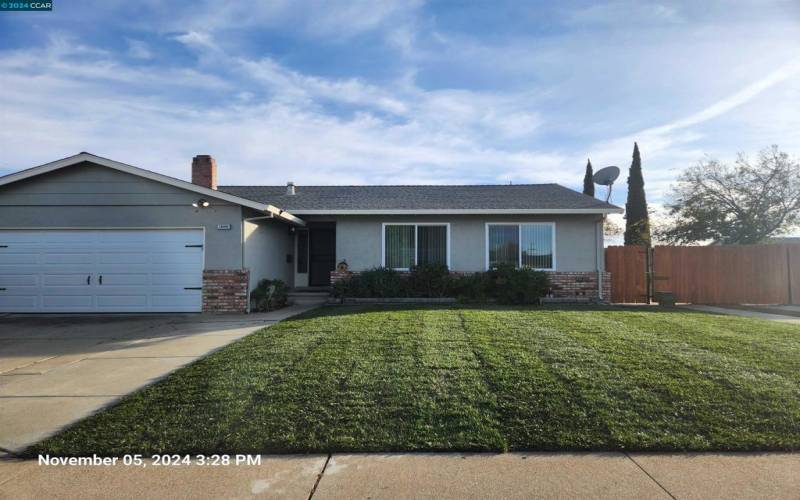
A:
(225, 291)
(578, 284)
(562, 283)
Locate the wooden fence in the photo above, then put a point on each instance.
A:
(735, 274)
(628, 268)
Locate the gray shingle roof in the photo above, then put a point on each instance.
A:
(440, 197)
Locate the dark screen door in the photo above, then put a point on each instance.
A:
(321, 255)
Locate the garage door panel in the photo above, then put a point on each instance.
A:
(60, 280)
(127, 280)
(123, 300)
(60, 300)
(7, 258)
(21, 302)
(142, 270)
(68, 258)
(122, 258)
(182, 300)
(19, 280)
(170, 258)
(176, 279)
(77, 290)
(21, 237)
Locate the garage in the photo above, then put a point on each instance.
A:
(101, 270)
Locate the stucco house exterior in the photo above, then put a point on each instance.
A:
(89, 234)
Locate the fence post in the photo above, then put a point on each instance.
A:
(789, 273)
(648, 273)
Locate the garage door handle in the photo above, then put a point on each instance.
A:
(3, 246)
(193, 246)
(101, 279)
(2, 289)
(89, 280)
(193, 288)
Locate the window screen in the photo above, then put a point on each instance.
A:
(537, 246)
(399, 246)
(431, 245)
(503, 245)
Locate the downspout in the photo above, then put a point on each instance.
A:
(598, 255)
(248, 219)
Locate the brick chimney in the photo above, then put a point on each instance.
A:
(204, 171)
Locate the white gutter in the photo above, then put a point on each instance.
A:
(283, 214)
(598, 238)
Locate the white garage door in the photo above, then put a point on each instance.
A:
(111, 270)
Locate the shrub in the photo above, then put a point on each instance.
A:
(429, 281)
(377, 282)
(471, 287)
(269, 295)
(504, 284)
(517, 286)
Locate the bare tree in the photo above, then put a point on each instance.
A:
(611, 228)
(740, 203)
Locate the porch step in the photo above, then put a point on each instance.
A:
(307, 289)
(305, 298)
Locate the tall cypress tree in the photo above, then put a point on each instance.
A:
(637, 222)
(588, 183)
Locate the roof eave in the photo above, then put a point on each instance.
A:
(285, 215)
(464, 211)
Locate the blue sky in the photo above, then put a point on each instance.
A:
(330, 92)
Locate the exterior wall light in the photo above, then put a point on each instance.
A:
(201, 204)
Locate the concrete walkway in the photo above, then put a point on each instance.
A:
(782, 318)
(376, 476)
(55, 370)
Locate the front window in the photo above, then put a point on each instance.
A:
(407, 245)
(521, 245)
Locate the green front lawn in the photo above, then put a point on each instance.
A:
(378, 378)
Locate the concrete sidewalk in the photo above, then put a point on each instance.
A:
(56, 369)
(782, 318)
(376, 476)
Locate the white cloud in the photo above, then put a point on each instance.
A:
(197, 40)
(398, 133)
(330, 19)
(785, 72)
(138, 49)
(613, 13)
(447, 106)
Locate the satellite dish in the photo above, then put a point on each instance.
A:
(606, 177)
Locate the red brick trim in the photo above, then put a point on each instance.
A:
(225, 290)
(565, 284)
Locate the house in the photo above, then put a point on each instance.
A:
(89, 234)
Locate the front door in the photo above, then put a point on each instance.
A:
(321, 253)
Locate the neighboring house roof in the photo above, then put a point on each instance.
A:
(505, 198)
(784, 240)
(147, 174)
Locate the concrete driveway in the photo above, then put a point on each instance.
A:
(55, 370)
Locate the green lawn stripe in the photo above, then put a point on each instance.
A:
(384, 378)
